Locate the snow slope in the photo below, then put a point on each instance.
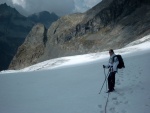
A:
(72, 84)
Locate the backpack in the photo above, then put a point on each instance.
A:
(121, 62)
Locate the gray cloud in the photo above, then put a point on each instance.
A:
(60, 7)
(84, 5)
(57, 6)
(33, 6)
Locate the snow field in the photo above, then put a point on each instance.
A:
(69, 85)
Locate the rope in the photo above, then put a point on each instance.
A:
(107, 96)
(106, 103)
(106, 89)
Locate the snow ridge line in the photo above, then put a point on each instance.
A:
(106, 103)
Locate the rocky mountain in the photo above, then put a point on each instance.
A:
(34, 45)
(44, 17)
(110, 24)
(14, 28)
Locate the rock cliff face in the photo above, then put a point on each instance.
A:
(110, 24)
(13, 29)
(33, 47)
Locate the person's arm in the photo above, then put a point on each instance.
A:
(108, 65)
(115, 64)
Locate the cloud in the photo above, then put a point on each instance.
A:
(60, 7)
(57, 6)
(84, 5)
(20, 3)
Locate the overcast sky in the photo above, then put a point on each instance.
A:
(60, 7)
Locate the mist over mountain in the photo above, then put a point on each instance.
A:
(44, 17)
(14, 28)
(110, 24)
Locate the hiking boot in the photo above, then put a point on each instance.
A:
(110, 90)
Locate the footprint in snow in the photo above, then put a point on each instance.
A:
(118, 82)
(114, 98)
(124, 111)
(142, 88)
(112, 110)
(117, 103)
(126, 102)
(100, 106)
(101, 111)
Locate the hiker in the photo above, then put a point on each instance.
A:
(112, 66)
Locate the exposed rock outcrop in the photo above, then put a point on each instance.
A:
(33, 47)
(14, 28)
(110, 24)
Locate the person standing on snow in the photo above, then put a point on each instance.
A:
(112, 66)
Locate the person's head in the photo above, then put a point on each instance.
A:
(111, 52)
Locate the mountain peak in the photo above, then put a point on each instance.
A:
(7, 10)
(3, 4)
(44, 17)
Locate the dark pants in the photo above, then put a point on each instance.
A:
(111, 81)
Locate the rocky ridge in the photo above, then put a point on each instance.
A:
(34, 45)
(110, 24)
(14, 28)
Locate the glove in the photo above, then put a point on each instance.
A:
(103, 66)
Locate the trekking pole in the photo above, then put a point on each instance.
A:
(105, 78)
(103, 82)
